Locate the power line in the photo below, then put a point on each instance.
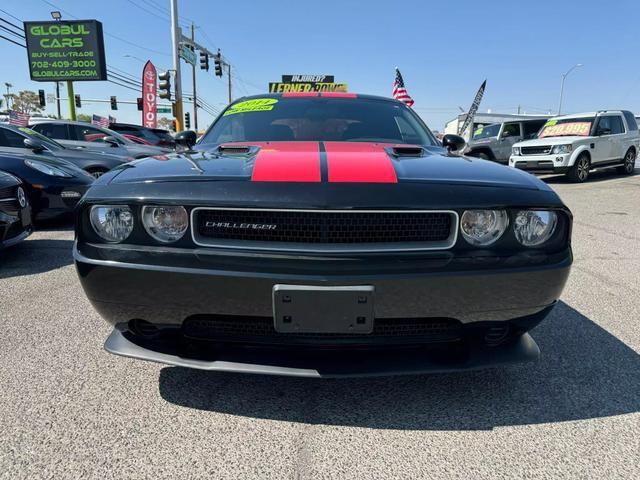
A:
(11, 32)
(12, 16)
(158, 52)
(12, 41)
(17, 27)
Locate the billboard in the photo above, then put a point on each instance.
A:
(65, 50)
(149, 90)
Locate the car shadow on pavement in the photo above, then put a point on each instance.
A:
(35, 256)
(584, 372)
(604, 175)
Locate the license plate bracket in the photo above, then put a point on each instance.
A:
(314, 309)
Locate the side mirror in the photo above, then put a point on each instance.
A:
(33, 144)
(111, 141)
(186, 139)
(453, 143)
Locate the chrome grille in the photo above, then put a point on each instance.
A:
(9, 200)
(333, 229)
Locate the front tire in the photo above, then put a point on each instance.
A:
(579, 173)
(629, 164)
(481, 155)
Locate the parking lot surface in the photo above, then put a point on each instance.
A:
(70, 410)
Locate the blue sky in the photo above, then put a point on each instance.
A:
(444, 52)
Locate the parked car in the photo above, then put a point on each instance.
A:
(24, 140)
(322, 235)
(53, 186)
(15, 211)
(576, 144)
(92, 137)
(135, 139)
(153, 136)
(494, 142)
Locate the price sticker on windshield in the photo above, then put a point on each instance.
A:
(256, 105)
(580, 129)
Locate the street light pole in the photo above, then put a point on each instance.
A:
(176, 37)
(564, 76)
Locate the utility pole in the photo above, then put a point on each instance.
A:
(176, 37)
(72, 100)
(193, 74)
(58, 99)
(229, 75)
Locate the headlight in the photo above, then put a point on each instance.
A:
(483, 227)
(114, 223)
(165, 224)
(534, 227)
(47, 169)
(561, 149)
(516, 151)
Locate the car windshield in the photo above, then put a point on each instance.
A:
(48, 142)
(567, 127)
(486, 132)
(318, 119)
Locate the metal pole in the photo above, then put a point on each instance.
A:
(561, 92)
(564, 76)
(72, 99)
(58, 99)
(176, 35)
(229, 79)
(193, 73)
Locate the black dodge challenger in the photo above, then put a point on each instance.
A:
(322, 235)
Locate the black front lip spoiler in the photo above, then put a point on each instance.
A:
(362, 363)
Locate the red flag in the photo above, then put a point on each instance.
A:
(149, 90)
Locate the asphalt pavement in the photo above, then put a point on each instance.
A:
(70, 410)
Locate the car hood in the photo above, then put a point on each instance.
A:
(536, 142)
(85, 154)
(324, 162)
(60, 163)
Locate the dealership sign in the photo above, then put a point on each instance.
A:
(149, 90)
(307, 83)
(65, 50)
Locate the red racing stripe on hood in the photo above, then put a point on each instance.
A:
(359, 162)
(287, 162)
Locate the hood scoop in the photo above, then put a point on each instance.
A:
(408, 151)
(237, 150)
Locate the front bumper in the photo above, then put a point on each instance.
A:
(510, 294)
(541, 163)
(15, 228)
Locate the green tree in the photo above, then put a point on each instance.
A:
(83, 117)
(27, 101)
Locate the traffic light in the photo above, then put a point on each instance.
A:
(140, 107)
(173, 125)
(114, 103)
(165, 85)
(204, 60)
(78, 101)
(43, 103)
(187, 120)
(217, 59)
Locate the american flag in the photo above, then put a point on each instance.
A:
(400, 92)
(18, 118)
(100, 121)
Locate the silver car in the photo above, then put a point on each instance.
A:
(494, 142)
(94, 138)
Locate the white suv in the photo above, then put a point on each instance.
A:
(576, 144)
